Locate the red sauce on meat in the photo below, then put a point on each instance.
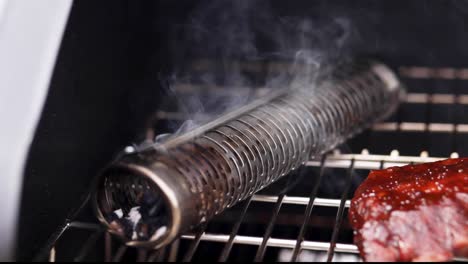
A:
(400, 212)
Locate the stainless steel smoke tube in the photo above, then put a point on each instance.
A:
(150, 197)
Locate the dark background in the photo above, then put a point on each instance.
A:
(107, 81)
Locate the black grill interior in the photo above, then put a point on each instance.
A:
(111, 79)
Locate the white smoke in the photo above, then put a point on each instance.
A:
(237, 46)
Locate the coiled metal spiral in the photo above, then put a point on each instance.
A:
(189, 179)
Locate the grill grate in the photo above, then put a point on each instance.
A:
(98, 244)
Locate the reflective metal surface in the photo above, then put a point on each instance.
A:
(201, 173)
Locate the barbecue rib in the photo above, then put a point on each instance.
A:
(413, 213)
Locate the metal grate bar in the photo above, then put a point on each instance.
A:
(413, 98)
(308, 210)
(227, 248)
(424, 98)
(447, 73)
(277, 242)
(456, 118)
(141, 254)
(394, 157)
(340, 213)
(261, 250)
(52, 254)
(416, 72)
(119, 254)
(90, 242)
(291, 182)
(107, 247)
(293, 179)
(194, 245)
(365, 165)
(385, 126)
(84, 225)
(381, 164)
(46, 250)
(427, 120)
(174, 250)
(158, 255)
(161, 254)
(299, 200)
(421, 127)
(190, 88)
(284, 243)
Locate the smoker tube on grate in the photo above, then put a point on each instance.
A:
(150, 197)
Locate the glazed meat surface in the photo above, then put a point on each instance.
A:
(413, 213)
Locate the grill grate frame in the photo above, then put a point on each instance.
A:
(333, 160)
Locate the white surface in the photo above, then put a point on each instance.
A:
(134, 217)
(30, 34)
(119, 213)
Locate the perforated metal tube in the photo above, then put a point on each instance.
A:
(150, 197)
